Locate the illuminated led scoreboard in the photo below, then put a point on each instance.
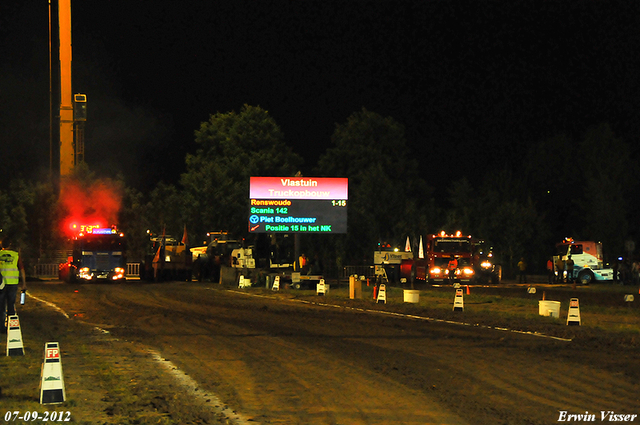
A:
(298, 205)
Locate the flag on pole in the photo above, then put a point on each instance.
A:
(156, 258)
(420, 249)
(185, 237)
(188, 258)
(407, 246)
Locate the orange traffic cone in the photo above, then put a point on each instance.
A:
(367, 281)
(468, 291)
(375, 292)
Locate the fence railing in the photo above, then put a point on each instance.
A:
(45, 270)
(366, 271)
(133, 269)
(50, 270)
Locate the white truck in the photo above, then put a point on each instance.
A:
(587, 258)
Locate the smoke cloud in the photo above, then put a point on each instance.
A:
(97, 204)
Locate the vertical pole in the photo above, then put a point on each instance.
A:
(296, 252)
(50, 100)
(67, 151)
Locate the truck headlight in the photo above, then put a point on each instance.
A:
(85, 273)
(118, 273)
(485, 264)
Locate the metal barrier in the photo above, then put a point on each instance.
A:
(51, 270)
(366, 271)
(133, 269)
(45, 270)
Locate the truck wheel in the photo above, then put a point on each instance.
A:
(586, 277)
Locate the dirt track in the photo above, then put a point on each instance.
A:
(279, 361)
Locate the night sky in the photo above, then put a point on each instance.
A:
(485, 79)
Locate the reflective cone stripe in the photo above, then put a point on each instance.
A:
(14, 337)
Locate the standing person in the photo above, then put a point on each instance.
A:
(559, 269)
(522, 266)
(569, 265)
(550, 273)
(635, 270)
(12, 271)
(452, 266)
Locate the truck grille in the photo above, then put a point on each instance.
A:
(102, 262)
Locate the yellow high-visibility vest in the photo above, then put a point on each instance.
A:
(9, 266)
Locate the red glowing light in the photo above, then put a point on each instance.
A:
(88, 207)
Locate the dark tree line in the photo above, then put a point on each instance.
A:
(563, 187)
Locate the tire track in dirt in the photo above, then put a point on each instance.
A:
(278, 381)
(279, 362)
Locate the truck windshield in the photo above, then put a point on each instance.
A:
(452, 245)
(563, 249)
(101, 243)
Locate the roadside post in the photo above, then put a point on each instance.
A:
(458, 301)
(51, 378)
(382, 294)
(14, 337)
(321, 288)
(355, 287)
(573, 318)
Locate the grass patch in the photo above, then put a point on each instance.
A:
(515, 309)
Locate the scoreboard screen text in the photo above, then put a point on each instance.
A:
(298, 205)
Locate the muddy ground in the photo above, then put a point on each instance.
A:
(255, 356)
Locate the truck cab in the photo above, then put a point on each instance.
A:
(588, 260)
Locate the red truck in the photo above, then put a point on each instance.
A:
(439, 250)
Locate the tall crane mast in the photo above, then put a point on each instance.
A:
(67, 147)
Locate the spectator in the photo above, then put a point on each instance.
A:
(551, 275)
(522, 266)
(569, 266)
(559, 269)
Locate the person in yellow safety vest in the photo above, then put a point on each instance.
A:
(12, 271)
(522, 266)
(302, 261)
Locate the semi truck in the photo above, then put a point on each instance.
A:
(98, 254)
(439, 250)
(587, 258)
